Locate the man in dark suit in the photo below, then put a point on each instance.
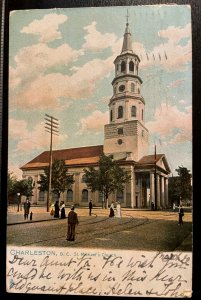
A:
(90, 207)
(72, 221)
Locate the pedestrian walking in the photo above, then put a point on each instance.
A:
(111, 210)
(181, 214)
(90, 207)
(72, 222)
(27, 206)
(152, 205)
(56, 209)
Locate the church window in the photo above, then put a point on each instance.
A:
(69, 195)
(123, 66)
(120, 130)
(131, 66)
(111, 116)
(120, 196)
(84, 195)
(132, 87)
(41, 196)
(133, 111)
(142, 114)
(120, 112)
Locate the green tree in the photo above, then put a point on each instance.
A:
(184, 183)
(18, 188)
(180, 186)
(11, 181)
(107, 178)
(61, 180)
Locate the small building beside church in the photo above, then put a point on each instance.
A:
(126, 140)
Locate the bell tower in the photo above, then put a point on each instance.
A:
(126, 135)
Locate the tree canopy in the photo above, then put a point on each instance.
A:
(180, 187)
(61, 179)
(107, 178)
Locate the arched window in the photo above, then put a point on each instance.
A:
(138, 90)
(142, 114)
(131, 66)
(123, 66)
(69, 195)
(120, 197)
(111, 116)
(84, 195)
(133, 111)
(132, 87)
(41, 196)
(120, 112)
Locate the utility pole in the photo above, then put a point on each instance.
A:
(51, 127)
(155, 181)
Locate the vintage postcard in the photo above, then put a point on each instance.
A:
(100, 151)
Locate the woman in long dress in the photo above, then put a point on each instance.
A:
(118, 210)
(111, 210)
(63, 214)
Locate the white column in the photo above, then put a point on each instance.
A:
(132, 187)
(152, 190)
(158, 191)
(127, 66)
(162, 192)
(166, 192)
(126, 110)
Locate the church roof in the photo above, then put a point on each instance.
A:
(72, 156)
(127, 42)
(149, 160)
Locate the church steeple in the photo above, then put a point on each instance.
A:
(127, 43)
(126, 133)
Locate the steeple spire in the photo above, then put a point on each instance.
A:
(127, 42)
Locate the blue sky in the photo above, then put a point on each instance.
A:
(61, 63)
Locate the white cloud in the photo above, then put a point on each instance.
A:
(95, 40)
(46, 28)
(15, 169)
(94, 122)
(168, 120)
(28, 140)
(46, 90)
(170, 54)
(38, 59)
(176, 83)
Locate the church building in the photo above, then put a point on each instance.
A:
(126, 140)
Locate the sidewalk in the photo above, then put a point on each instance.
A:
(40, 214)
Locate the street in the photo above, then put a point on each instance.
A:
(136, 230)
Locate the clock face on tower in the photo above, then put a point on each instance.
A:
(122, 88)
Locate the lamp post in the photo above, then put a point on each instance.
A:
(18, 202)
(51, 127)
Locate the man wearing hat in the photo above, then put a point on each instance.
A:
(72, 222)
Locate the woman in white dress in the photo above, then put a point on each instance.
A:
(118, 210)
